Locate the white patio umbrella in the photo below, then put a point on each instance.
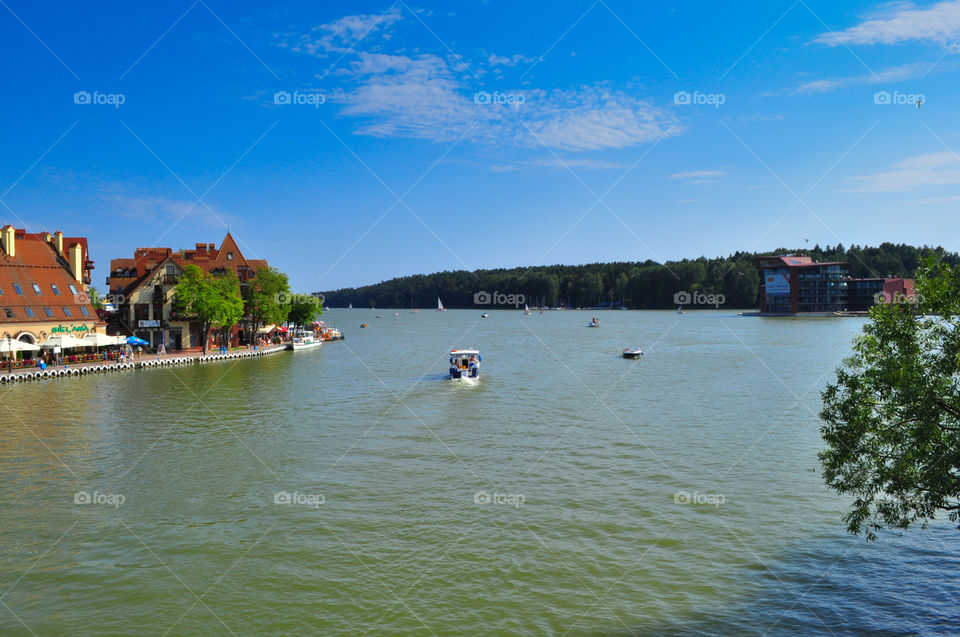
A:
(63, 341)
(8, 346)
(96, 339)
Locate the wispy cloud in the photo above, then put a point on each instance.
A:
(340, 36)
(900, 73)
(699, 174)
(501, 60)
(933, 169)
(903, 22)
(164, 210)
(398, 94)
(555, 163)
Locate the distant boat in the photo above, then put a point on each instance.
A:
(594, 322)
(440, 307)
(364, 325)
(526, 310)
(396, 313)
(484, 315)
(632, 353)
(350, 307)
(680, 310)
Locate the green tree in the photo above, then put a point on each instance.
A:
(214, 301)
(892, 420)
(266, 296)
(304, 309)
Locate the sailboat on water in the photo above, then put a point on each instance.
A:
(526, 310)
(440, 307)
(350, 307)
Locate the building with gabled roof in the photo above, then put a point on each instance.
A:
(143, 289)
(44, 285)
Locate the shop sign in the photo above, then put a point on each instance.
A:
(65, 329)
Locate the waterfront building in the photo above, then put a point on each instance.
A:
(44, 285)
(143, 290)
(796, 284)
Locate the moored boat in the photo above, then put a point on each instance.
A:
(304, 340)
(465, 364)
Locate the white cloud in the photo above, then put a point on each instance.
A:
(893, 74)
(340, 36)
(500, 60)
(556, 163)
(933, 169)
(699, 174)
(165, 210)
(903, 22)
(400, 93)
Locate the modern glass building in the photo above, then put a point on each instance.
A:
(795, 283)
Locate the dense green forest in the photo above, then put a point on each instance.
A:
(646, 284)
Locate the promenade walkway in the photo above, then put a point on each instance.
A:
(137, 362)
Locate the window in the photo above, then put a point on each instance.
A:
(56, 290)
(171, 270)
(36, 288)
(9, 312)
(83, 310)
(48, 311)
(229, 256)
(66, 311)
(1, 292)
(16, 286)
(29, 311)
(73, 290)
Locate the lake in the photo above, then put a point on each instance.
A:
(352, 490)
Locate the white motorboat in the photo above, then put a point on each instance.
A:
(594, 322)
(632, 353)
(465, 364)
(305, 340)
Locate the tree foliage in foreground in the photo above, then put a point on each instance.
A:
(641, 285)
(892, 420)
(214, 301)
(265, 295)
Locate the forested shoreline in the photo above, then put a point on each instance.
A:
(636, 285)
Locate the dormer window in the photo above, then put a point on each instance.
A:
(229, 256)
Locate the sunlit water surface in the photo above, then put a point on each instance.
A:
(547, 499)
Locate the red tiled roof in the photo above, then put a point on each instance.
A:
(36, 262)
(133, 272)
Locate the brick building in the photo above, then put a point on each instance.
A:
(144, 288)
(44, 285)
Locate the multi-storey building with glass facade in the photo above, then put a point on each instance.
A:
(795, 284)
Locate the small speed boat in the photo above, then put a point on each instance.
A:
(594, 322)
(484, 315)
(680, 310)
(364, 325)
(632, 353)
(465, 364)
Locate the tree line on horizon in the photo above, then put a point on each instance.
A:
(636, 285)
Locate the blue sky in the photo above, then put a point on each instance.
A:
(348, 143)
